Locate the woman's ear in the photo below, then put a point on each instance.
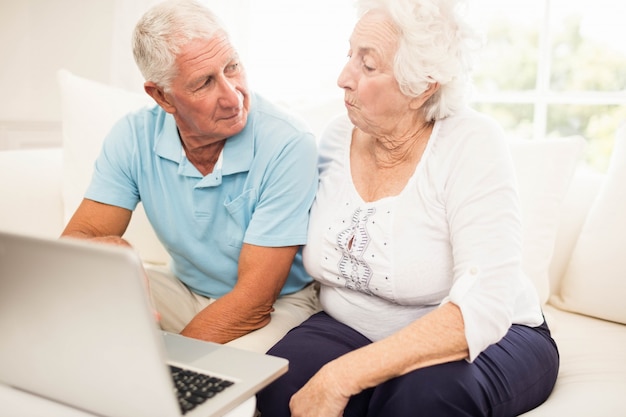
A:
(159, 95)
(419, 101)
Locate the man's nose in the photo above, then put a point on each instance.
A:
(229, 95)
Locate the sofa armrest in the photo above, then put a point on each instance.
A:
(30, 186)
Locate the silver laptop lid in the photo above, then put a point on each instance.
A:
(61, 308)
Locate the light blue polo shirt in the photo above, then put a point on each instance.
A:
(261, 195)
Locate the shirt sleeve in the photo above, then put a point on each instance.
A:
(286, 194)
(112, 180)
(484, 217)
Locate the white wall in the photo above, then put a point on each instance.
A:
(38, 37)
(91, 38)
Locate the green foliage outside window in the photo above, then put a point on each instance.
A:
(585, 93)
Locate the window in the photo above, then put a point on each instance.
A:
(554, 68)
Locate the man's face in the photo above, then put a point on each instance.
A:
(209, 96)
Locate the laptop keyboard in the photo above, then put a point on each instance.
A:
(193, 388)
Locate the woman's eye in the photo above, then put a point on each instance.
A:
(367, 67)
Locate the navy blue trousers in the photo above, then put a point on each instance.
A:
(507, 379)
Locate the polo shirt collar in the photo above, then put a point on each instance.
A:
(238, 150)
(167, 144)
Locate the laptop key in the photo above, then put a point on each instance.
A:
(193, 388)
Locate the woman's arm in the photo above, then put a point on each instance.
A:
(436, 338)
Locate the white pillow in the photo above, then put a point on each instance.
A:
(544, 170)
(88, 110)
(595, 281)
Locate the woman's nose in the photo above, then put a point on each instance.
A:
(346, 77)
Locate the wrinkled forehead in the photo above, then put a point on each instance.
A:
(376, 29)
(205, 54)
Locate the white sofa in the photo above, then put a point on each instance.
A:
(574, 230)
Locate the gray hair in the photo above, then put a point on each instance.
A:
(436, 44)
(163, 30)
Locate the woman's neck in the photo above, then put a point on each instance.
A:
(398, 147)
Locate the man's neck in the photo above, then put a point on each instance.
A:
(204, 157)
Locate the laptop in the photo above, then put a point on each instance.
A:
(76, 327)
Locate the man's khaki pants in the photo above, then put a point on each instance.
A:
(177, 305)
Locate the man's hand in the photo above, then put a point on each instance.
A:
(102, 223)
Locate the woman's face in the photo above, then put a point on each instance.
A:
(372, 96)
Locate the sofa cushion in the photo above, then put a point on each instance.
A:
(595, 280)
(592, 373)
(89, 110)
(544, 170)
(581, 194)
(29, 180)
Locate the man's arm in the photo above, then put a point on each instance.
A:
(99, 222)
(262, 274)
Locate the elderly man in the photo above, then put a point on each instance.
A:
(225, 177)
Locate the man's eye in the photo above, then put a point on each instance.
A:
(232, 67)
(203, 84)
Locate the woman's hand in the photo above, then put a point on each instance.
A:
(324, 395)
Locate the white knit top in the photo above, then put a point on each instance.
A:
(453, 234)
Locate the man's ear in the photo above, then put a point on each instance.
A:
(419, 101)
(159, 95)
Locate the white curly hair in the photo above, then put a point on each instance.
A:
(437, 44)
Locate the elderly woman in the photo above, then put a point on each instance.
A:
(415, 237)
